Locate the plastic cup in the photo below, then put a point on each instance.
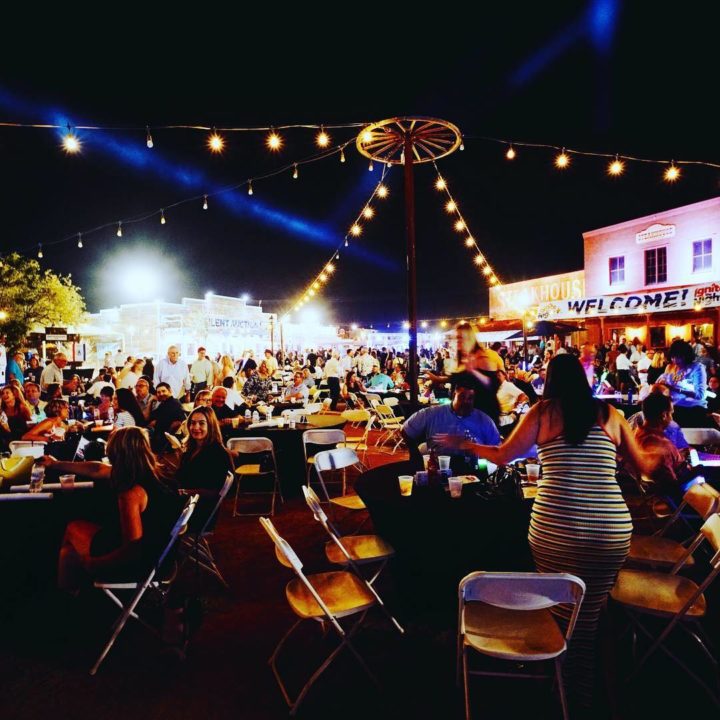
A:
(533, 473)
(281, 422)
(406, 484)
(67, 481)
(99, 423)
(444, 462)
(426, 460)
(235, 422)
(455, 484)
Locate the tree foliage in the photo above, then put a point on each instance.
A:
(31, 296)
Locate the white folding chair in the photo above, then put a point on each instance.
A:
(702, 437)
(319, 437)
(340, 459)
(27, 448)
(197, 548)
(253, 446)
(312, 408)
(391, 424)
(358, 443)
(325, 598)
(507, 616)
(351, 550)
(175, 442)
(391, 401)
(152, 581)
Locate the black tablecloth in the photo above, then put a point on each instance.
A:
(289, 453)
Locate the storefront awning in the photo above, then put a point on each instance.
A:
(496, 335)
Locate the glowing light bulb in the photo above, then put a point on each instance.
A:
(322, 139)
(487, 270)
(443, 323)
(382, 191)
(562, 160)
(119, 230)
(148, 139)
(479, 259)
(80, 242)
(323, 277)
(423, 324)
(469, 241)
(274, 141)
(330, 268)
(510, 154)
(616, 167)
(250, 190)
(40, 252)
(440, 184)
(368, 212)
(342, 154)
(71, 144)
(406, 325)
(450, 206)
(370, 166)
(346, 242)
(216, 143)
(366, 136)
(356, 230)
(311, 292)
(494, 280)
(672, 173)
(295, 172)
(162, 217)
(462, 146)
(698, 307)
(459, 225)
(205, 205)
(316, 286)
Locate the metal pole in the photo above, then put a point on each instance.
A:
(411, 271)
(282, 345)
(272, 335)
(525, 347)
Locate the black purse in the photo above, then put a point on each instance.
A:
(505, 482)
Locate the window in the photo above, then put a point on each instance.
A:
(617, 270)
(656, 266)
(702, 255)
(657, 336)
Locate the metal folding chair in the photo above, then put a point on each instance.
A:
(325, 598)
(329, 461)
(358, 443)
(704, 438)
(153, 581)
(507, 616)
(252, 446)
(391, 425)
(677, 599)
(197, 548)
(322, 438)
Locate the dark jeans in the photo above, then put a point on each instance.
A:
(334, 385)
(196, 388)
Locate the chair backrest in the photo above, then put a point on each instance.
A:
(336, 459)
(384, 411)
(15, 471)
(711, 532)
(323, 437)
(524, 591)
(250, 445)
(356, 416)
(373, 397)
(704, 499)
(179, 528)
(284, 551)
(322, 420)
(27, 448)
(702, 436)
(175, 442)
(391, 401)
(312, 408)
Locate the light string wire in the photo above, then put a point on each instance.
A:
(203, 128)
(454, 209)
(328, 268)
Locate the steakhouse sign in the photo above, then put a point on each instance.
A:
(695, 297)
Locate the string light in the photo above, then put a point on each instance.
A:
(250, 190)
(450, 206)
(356, 230)
(274, 141)
(368, 212)
(342, 154)
(406, 325)
(162, 217)
(479, 259)
(510, 154)
(382, 191)
(40, 252)
(322, 139)
(346, 243)
(148, 139)
(323, 277)
(459, 225)
(487, 270)
(423, 324)
(205, 204)
(295, 171)
(330, 268)
(71, 144)
(440, 183)
(371, 167)
(119, 230)
(672, 173)
(443, 324)
(366, 136)
(469, 241)
(216, 143)
(562, 160)
(616, 167)
(80, 242)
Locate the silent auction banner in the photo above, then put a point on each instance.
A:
(695, 297)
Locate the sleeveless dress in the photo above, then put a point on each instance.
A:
(580, 524)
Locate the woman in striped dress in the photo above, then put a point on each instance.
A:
(580, 523)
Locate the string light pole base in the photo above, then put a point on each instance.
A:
(409, 141)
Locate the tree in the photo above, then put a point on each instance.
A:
(31, 296)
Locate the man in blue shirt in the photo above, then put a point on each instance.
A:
(460, 419)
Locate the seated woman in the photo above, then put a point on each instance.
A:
(398, 378)
(14, 414)
(204, 463)
(56, 431)
(353, 386)
(146, 510)
(127, 410)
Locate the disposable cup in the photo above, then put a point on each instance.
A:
(455, 484)
(406, 484)
(99, 423)
(533, 473)
(67, 481)
(235, 422)
(281, 422)
(444, 462)
(426, 460)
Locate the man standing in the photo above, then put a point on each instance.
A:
(365, 364)
(201, 372)
(53, 372)
(332, 375)
(165, 418)
(15, 368)
(587, 360)
(174, 372)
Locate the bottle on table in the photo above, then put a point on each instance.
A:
(433, 468)
(37, 477)
(111, 415)
(255, 416)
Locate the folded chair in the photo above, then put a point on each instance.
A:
(507, 616)
(676, 599)
(153, 581)
(662, 552)
(195, 546)
(253, 446)
(350, 550)
(325, 598)
(319, 437)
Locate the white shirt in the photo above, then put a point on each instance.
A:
(507, 396)
(202, 371)
(622, 362)
(365, 364)
(176, 375)
(96, 387)
(346, 364)
(234, 398)
(272, 365)
(51, 374)
(129, 380)
(332, 368)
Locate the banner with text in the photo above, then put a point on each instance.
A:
(695, 297)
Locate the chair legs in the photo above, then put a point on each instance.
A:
(198, 551)
(275, 492)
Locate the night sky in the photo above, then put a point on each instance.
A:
(589, 76)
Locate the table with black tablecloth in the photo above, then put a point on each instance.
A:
(439, 539)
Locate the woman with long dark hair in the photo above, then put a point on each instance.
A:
(127, 409)
(580, 523)
(686, 379)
